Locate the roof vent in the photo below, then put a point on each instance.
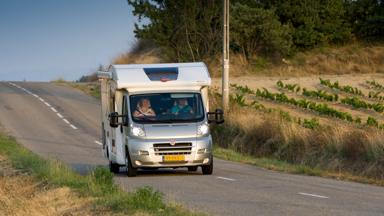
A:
(162, 74)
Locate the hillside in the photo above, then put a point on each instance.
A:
(348, 59)
(332, 122)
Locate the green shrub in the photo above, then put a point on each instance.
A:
(320, 94)
(375, 84)
(336, 85)
(311, 123)
(358, 103)
(372, 122)
(290, 87)
(147, 199)
(239, 99)
(320, 108)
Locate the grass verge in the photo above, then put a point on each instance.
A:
(90, 88)
(282, 166)
(98, 185)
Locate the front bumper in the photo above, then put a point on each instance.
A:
(142, 153)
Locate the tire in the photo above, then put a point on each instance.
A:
(208, 169)
(114, 167)
(131, 171)
(192, 168)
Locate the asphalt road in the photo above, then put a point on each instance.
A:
(56, 121)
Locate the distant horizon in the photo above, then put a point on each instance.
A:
(48, 40)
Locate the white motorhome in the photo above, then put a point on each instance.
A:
(156, 116)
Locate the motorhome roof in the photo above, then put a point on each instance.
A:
(161, 75)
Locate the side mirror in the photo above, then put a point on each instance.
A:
(216, 117)
(114, 119)
(125, 122)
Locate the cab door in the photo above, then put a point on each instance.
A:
(124, 128)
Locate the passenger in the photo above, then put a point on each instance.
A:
(143, 109)
(181, 107)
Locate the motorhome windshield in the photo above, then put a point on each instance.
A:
(166, 108)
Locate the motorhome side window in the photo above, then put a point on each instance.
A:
(167, 108)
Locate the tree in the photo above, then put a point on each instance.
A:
(366, 18)
(187, 30)
(314, 22)
(257, 30)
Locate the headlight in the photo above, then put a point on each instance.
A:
(203, 129)
(137, 131)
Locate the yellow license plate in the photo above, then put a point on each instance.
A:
(173, 158)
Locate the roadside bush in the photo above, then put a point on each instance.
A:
(353, 147)
(312, 123)
(147, 199)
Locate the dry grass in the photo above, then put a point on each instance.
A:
(330, 147)
(21, 194)
(349, 59)
(142, 52)
(353, 58)
(345, 60)
(142, 58)
(50, 187)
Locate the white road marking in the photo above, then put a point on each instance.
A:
(47, 104)
(224, 178)
(98, 143)
(313, 195)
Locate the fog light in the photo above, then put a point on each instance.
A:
(206, 160)
(138, 163)
(142, 152)
(201, 151)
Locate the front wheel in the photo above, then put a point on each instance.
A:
(208, 169)
(131, 171)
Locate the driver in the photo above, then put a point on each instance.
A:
(181, 107)
(143, 109)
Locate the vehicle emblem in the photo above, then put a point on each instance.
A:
(172, 142)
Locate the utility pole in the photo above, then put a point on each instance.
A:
(225, 75)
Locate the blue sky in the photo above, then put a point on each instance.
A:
(43, 40)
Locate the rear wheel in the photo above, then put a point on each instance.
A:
(208, 169)
(192, 168)
(131, 171)
(114, 167)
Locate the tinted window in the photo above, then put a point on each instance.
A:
(166, 108)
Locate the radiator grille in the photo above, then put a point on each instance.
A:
(168, 149)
